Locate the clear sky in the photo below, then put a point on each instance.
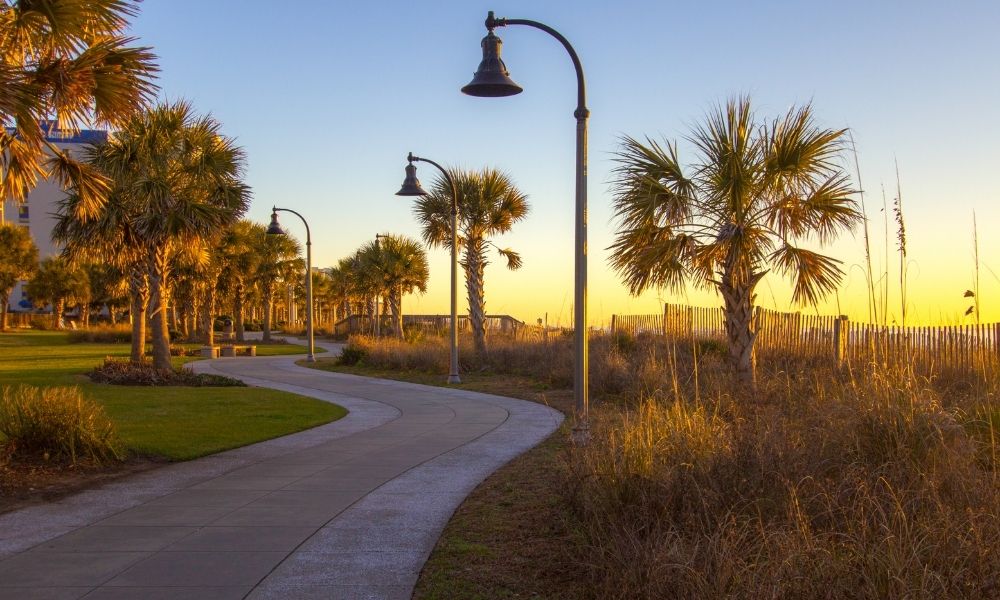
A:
(328, 97)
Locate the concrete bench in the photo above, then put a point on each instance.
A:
(210, 351)
(231, 350)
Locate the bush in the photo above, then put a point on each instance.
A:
(116, 371)
(56, 422)
(102, 334)
(42, 323)
(352, 354)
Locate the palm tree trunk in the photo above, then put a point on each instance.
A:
(4, 299)
(58, 307)
(208, 308)
(238, 313)
(139, 295)
(158, 273)
(395, 301)
(268, 300)
(741, 331)
(474, 284)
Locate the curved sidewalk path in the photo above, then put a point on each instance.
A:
(348, 510)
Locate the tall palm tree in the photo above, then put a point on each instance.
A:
(179, 180)
(70, 60)
(278, 257)
(756, 192)
(18, 261)
(399, 266)
(58, 282)
(488, 205)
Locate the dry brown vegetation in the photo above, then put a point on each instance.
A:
(867, 482)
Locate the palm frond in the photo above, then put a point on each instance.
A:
(815, 275)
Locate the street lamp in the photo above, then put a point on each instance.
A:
(492, 80)
(275, 229)
(411, 187)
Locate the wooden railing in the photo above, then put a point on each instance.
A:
(928, 348)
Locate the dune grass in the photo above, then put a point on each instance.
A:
(177, 423)
(867, 482)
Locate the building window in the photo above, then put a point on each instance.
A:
(22, 212)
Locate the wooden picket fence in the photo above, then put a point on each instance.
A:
(925, 348)
(495, 324)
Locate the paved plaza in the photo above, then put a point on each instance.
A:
(348, 510)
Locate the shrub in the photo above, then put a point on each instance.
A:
(353, 353)
(117, 371)
(56, 422)
(182, 351)
(42, 323)
(102, 334)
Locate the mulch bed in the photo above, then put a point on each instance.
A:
(26, 482)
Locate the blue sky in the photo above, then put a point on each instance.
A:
(328, 97)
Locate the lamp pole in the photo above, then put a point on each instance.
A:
(493, 80)
(378, 322)
(411, 187)
(275, 229)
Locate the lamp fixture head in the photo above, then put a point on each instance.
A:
(491, 80)
(411, 185)
(275, 228)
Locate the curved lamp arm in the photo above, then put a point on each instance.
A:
(581, 89)
(276, 209)
(454, 190)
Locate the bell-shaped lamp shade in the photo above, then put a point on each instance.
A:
(491, 80)
(275, 228)
(411, 185)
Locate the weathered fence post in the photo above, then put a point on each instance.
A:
(613, 323)
(840, 335)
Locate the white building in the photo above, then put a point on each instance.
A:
(37, 213)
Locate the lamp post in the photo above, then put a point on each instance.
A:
(411, 187)
(492, 80)
(378, 322)
(275, 229)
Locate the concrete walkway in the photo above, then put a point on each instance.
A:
(348, 510)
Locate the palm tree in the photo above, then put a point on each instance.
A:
(278, 261)
(58, 282)
(70, 59)
(179, 180)
(488, 205)
(18, 261)
(240, 258)
(755, 193)
(399, 266)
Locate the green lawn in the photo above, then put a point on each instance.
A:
(178, 423)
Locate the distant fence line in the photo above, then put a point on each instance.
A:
(495, 324)
(928, 348)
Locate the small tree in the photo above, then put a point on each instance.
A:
(756, 192)
(58, 282)
(18, 261)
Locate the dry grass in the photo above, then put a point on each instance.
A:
(867, 483)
